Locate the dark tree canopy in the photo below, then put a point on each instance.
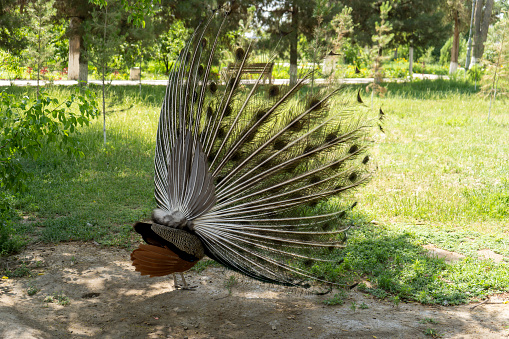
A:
(420, 22)
(11, 21)
(279, 18)
(194, 12)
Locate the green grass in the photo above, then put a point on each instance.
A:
(100, 196)
(203, 264)
(392, 259)
(442, 179)
(440, 162)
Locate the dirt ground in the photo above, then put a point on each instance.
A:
(97, 293)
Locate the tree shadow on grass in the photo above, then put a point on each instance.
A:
(393, 263)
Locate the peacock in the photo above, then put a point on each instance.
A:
(244, 172)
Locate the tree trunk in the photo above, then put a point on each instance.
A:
(294, 37)
(481, 25)
(104, 74)
(78, 66)
(104, 106)
(141, 60)
(38, 55)
(455, 45)
(411, 61)
(166, 65)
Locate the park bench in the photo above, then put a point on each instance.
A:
(254, 68)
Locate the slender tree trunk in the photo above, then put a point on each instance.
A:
(455, 45)
(104, 109)
(293, 45)
(411, 61)
(104, 74)
(141, 60)
(167, 66)
(38, 55)
(481, 25)
(496, 76)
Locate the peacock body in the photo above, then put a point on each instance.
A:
(241, 171)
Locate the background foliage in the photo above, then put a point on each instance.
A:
(152, 32)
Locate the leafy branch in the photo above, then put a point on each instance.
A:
(28, 125)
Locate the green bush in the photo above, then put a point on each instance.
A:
(280, 72)
(476, 73)
(348, 71)
(283, 72)
(445, 52)
(396, 69)
(431, 69)
(28, 126)
(355, 55)
(11, 66)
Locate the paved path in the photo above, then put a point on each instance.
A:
(165, 82)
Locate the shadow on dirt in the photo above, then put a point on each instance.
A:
(96, 293)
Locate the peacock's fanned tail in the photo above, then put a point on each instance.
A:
(245, 168)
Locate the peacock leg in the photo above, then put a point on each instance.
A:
(186, 287)
(175, 281)
(184, 283)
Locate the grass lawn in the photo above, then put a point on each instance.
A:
(442, 179)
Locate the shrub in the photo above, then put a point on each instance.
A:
(27, 126)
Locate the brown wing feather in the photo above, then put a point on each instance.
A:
(158, 261)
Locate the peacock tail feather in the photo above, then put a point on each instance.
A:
(245, 168)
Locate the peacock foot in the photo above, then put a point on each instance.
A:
(184, 285)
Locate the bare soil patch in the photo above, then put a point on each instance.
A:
(439, 253)
(489, 254)
(84, 290)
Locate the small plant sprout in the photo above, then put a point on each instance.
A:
(363, 306)
(337, 299)
(58, 298)
(396, 300)
(428, 321)
(32, 290)
(432, 333)
(232, 281)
